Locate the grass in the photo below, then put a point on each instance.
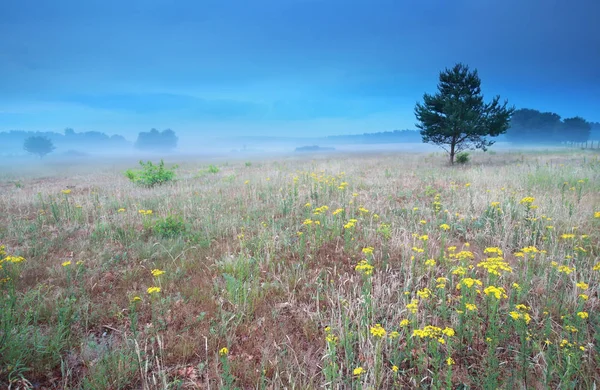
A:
(481, 276)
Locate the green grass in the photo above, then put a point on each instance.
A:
(253, 262)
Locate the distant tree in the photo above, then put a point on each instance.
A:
(576, 129)
(456, 118)
(157, 140)
(38, 145)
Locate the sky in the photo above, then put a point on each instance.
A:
(283, 67)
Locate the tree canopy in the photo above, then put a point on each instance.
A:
(155, 140)
(528, 126)
(456, 117)
(38, 145)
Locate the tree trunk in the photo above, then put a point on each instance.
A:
(452, 145)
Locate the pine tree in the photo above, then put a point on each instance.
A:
(456, 117)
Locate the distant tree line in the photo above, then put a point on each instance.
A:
(14, 140)
(396, 136)
(71, 142)
(533, 126)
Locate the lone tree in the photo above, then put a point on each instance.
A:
(38, 145)
(456, 118)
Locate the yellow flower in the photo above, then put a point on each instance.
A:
(135, 299)
(358, 371)
(424, 293)
(337, 211)
(597, 214)
(157, 272)
(584, 297)
(223, 351)
(471, 307)
(430, 262)
(565, 269)
(583, 315)
(66, 263)
(331, 338)
(583, 285)
(497, 292)
(364, 267)
(378, 331)
(528, 200)
(153, 290)
(395, 368)
(450, 361)
(121, 210)
(394, 335)
(404, 323)
(567, 236)
(468, 185)
(424, 237)
(423, 222)
(66, 192)
(368, 250)
(413, 306)
(445, 226)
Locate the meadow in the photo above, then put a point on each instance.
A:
(344, 271)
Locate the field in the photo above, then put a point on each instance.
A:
(347, 271)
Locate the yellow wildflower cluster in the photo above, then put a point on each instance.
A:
(424, 293)
(434, 332)
(364, 267)
(462, 255)
(468, 282)
(441, 282)
(157, 272)
(145, 212)
(521, 313)
(351, 223)
(413, 306)
(527, 201)
(378, 331)
(363, 210)
(320, 210)
(337, 211)
(153, 290)
(498, 292)
(329, 336)
(223, 351)
(368, 250)
(494, 265)
(445, 227)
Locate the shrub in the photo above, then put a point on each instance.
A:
(462, 158)
(151, 175)
(213, 169)
(170, 227)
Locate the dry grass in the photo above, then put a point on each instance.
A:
(242, 276)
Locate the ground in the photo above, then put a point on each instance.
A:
(386, 270)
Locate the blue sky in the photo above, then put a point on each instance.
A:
(283, 67)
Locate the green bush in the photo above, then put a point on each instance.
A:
(151, 175)
(170, 227)
(462, 158)
(213, 169)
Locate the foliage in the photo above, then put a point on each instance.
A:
(462, 157)
(151, 175)
(38, 145)
(170, 227)
(213, 169)
(529, 125)
(456, 117)
(155, 140)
